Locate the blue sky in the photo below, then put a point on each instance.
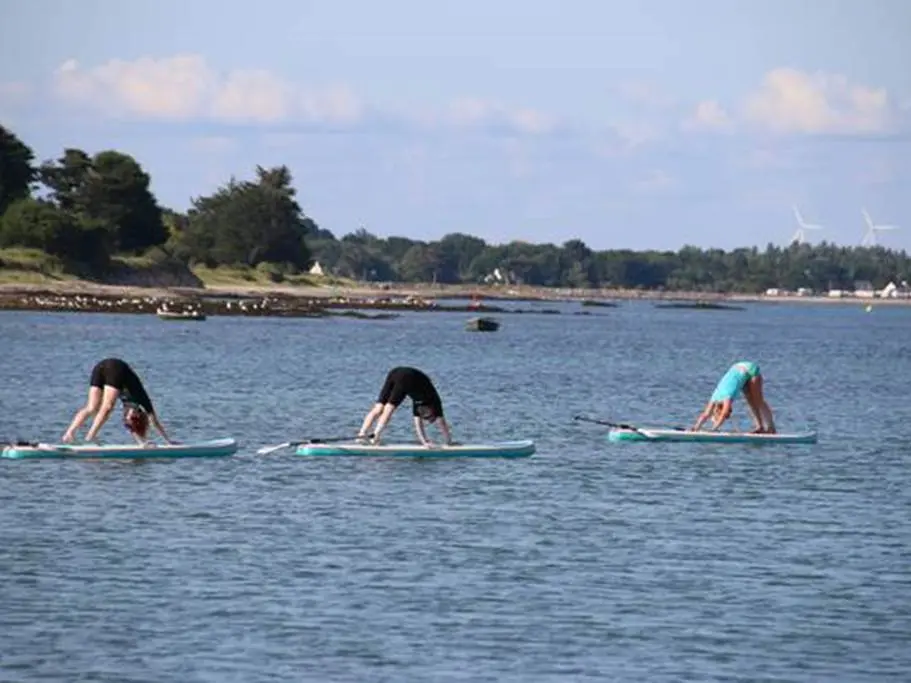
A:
(640, 125)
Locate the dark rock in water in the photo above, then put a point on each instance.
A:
(700, 305)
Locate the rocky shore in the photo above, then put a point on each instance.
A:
(381, 302)
(198, 304)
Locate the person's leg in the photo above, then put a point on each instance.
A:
(381, 400)
(754, 402)
(93, 402)
(369, 418)
(749, 393)
(764, 407)
(385, 414)
(108, 400)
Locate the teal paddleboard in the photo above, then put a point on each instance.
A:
(199, 449)
(503, 449)
(642, 434)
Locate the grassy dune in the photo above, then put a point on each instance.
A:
(226, 276)
(32, 266)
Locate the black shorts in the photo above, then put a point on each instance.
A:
(114, 372)
(410, 382)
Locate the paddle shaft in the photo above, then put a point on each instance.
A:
(290, 444)
(616, 425)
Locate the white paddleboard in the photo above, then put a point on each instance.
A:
(199, 449)
(503, 449)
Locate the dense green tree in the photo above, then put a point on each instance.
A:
(110, 189)
(39, 224)
(16, 170)
(249, 222)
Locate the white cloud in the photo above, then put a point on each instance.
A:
(185, 87)
(709, 115)
(792, 101)
(470, 112)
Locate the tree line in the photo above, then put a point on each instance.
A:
(87, 208)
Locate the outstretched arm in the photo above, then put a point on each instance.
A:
(703, 416)
(722, 415)
(419, 428)
(447, 432)
(155, 421)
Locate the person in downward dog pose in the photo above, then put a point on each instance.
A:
(111, 379)
(426, 404)
(742, 376)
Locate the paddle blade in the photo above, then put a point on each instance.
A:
(271, 449)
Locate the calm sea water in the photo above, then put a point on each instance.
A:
(588, 561)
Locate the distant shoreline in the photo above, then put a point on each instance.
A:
(303, 300)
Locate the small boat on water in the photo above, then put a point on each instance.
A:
(482, 325)
(188, 314)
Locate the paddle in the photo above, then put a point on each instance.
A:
(615, 425)
(289, 444)
(620, 425)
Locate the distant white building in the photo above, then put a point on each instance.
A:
(863, 289)
(893, 291)
(498, 276)
(890, 291)
(316, 269)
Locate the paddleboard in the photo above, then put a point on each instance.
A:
(503, 449)
(681, 435)
(199, 449)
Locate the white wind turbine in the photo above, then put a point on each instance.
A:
(869, 239)
(800, 236)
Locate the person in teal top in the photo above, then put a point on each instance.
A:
(743, 376)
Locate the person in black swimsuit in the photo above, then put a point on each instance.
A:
(111, 379)
(426, 404)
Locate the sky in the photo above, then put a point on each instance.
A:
(630, 125)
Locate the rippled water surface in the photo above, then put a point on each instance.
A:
(588, 561)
